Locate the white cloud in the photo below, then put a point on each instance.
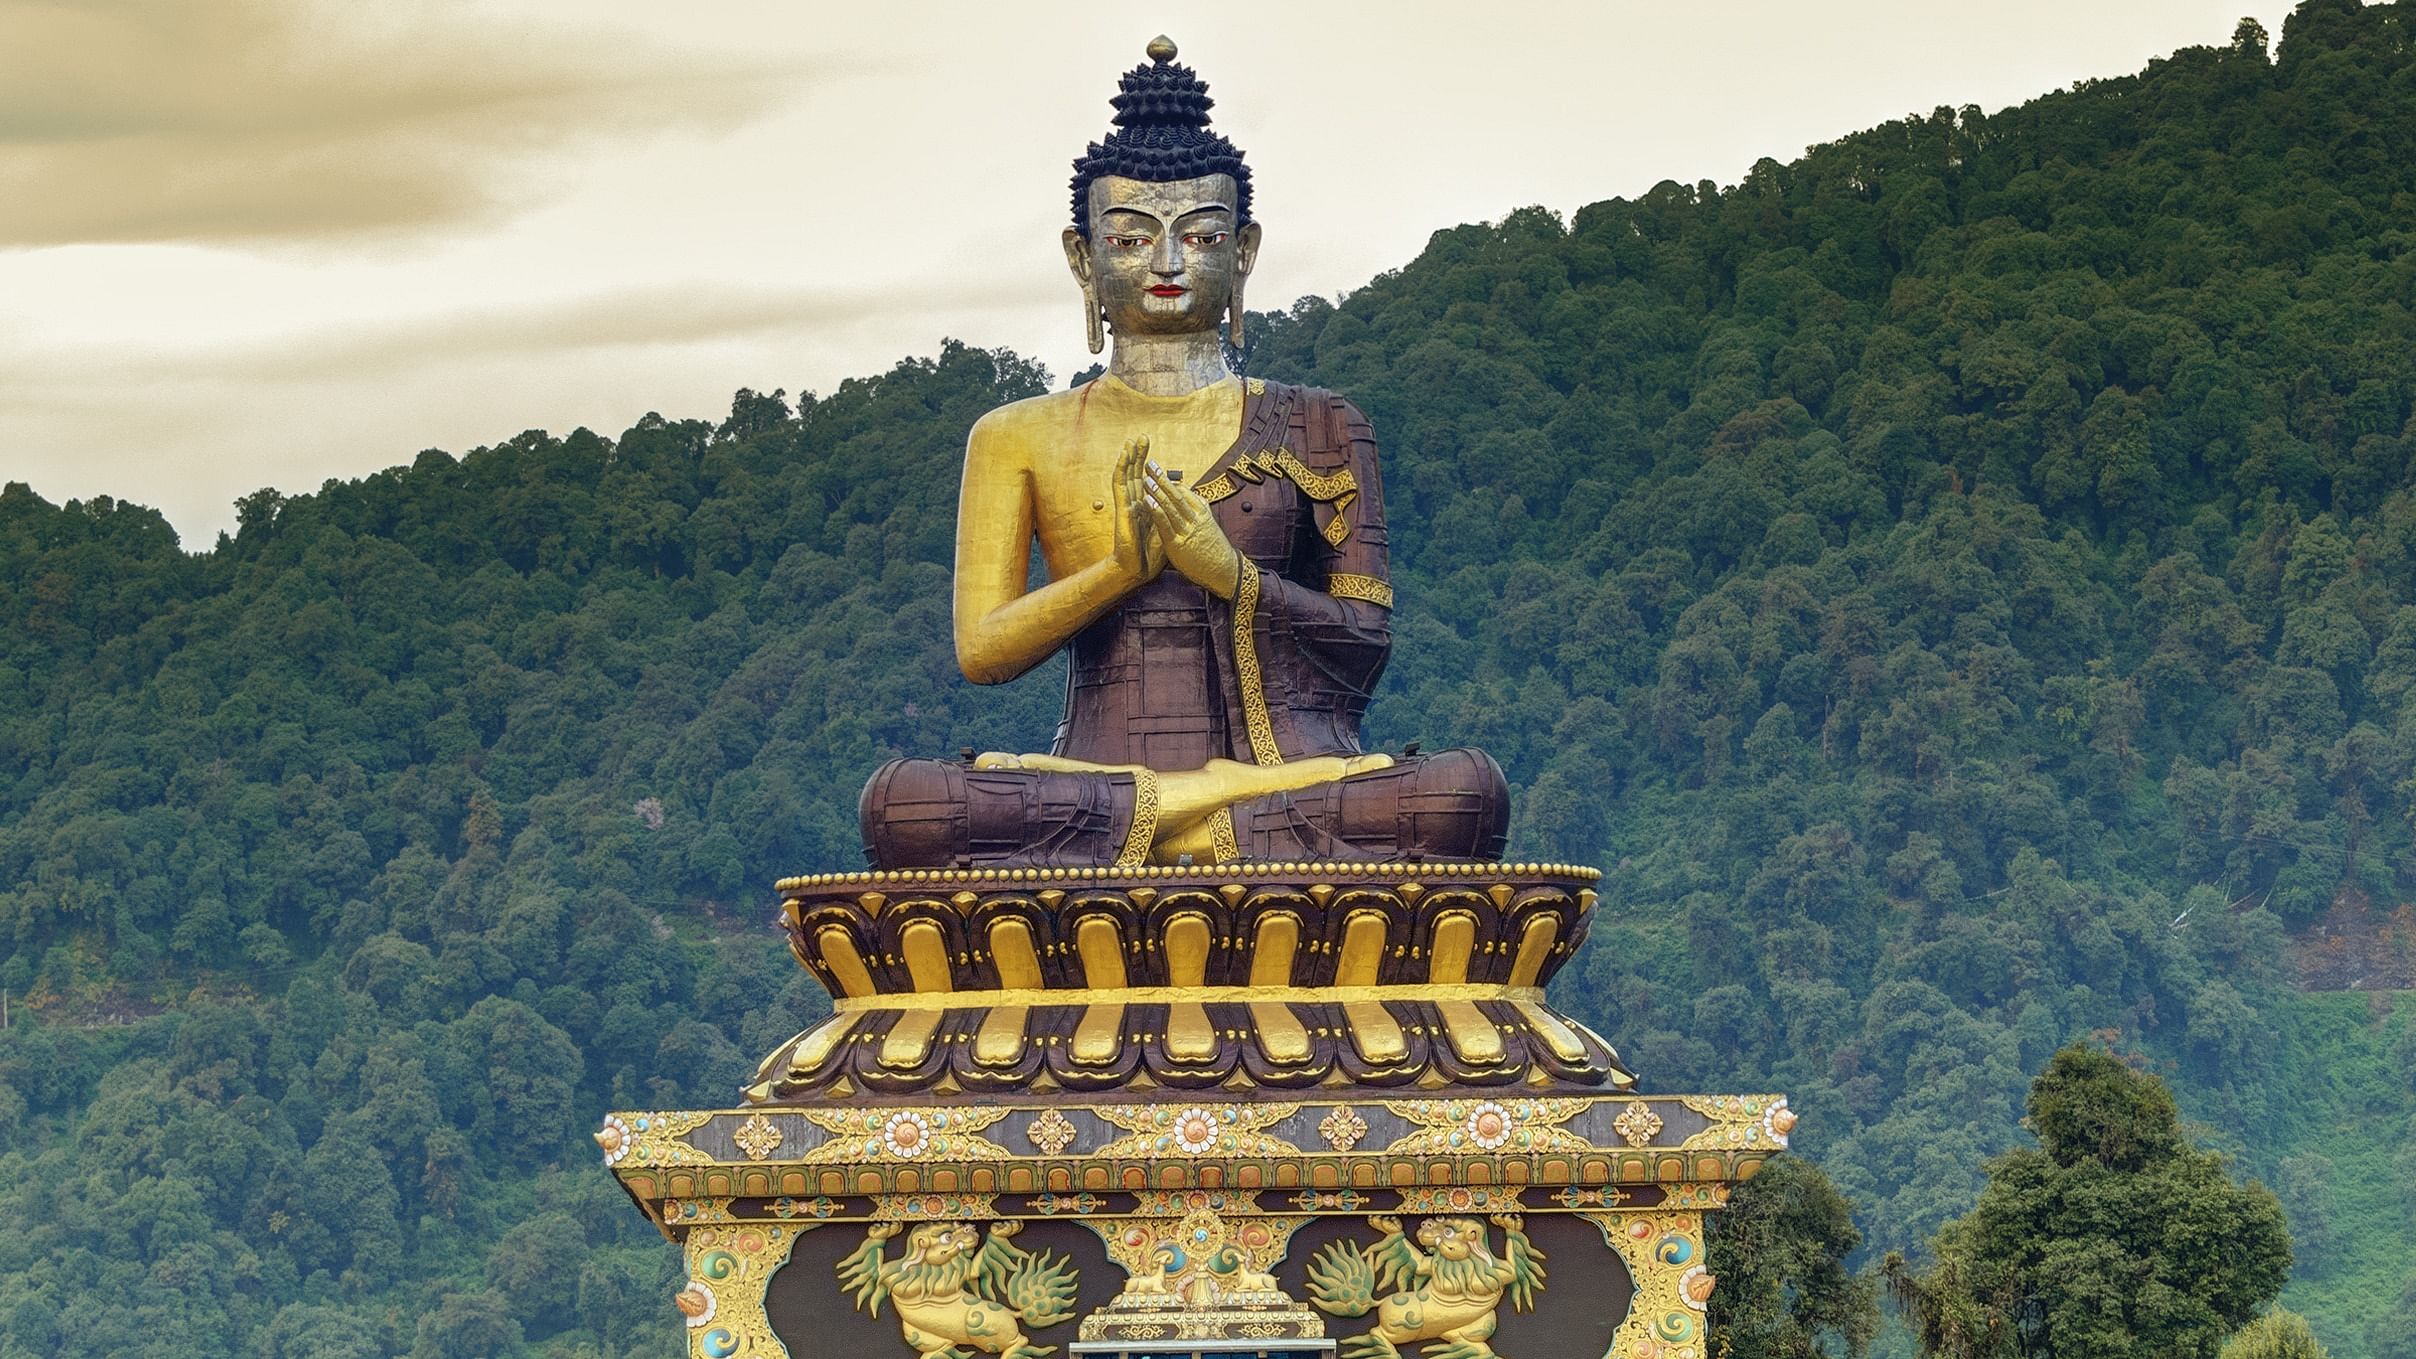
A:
(268, 120)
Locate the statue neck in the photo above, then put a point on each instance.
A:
(1169, 365)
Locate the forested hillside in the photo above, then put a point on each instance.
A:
(1961, 585)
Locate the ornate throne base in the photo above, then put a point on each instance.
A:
(1268, 1110)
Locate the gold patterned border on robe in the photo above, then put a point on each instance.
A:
(1144, 820)
(1247, 676)
(1342, 585)
(1336, 490)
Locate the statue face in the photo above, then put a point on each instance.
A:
(1454, 1238)
(1165, 259)
(940, 1243)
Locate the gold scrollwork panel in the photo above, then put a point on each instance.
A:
(728, 1270)
(1664, 1256)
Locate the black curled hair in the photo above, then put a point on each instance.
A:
(1161, 135)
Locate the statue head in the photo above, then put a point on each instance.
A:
(1162, 238)
(1454, 1239)
(941, 1243)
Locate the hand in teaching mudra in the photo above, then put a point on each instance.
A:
(1138, 550)
(1194, 543)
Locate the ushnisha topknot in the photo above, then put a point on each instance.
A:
(1161, 134)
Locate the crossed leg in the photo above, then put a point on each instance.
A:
(1188, 797)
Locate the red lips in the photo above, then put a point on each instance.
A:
(1168, 290)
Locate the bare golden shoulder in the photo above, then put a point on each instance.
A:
(1017, 416)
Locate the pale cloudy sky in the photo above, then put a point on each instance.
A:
(251, 243)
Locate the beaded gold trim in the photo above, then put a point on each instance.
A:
(1354, 870)
(1220, 833)
(1030, 997)
(1263, 749)
(1144, 821)
(1344, 586)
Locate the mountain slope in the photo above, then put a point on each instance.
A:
(1961, 583)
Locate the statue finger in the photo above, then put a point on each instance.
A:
(1172, 493)
(1196, 509)
(1134, 481)
(1181, 494)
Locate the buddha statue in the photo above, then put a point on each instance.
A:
(1215, 555)
(1199, 1100)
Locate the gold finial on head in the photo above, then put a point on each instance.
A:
(1161, 49)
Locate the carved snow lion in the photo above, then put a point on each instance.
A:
(1449, 1293)
(958, 1294)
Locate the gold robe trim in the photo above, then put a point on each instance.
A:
(1247, 675)
(1220, 832)
(1337, 489)
(1374, 591)
(1144, 821)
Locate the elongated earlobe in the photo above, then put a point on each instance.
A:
(1243, 260)
(1078, 259)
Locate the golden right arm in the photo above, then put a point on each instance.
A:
(1003, 629)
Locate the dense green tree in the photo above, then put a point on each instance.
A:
(2113, 1238)
(2305, 1188)
(1959, 583)
(1779, 1251)
(2279, 1334)
(468, 1326)
(2393, 1334)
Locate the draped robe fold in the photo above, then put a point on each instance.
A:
(1173, 677)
